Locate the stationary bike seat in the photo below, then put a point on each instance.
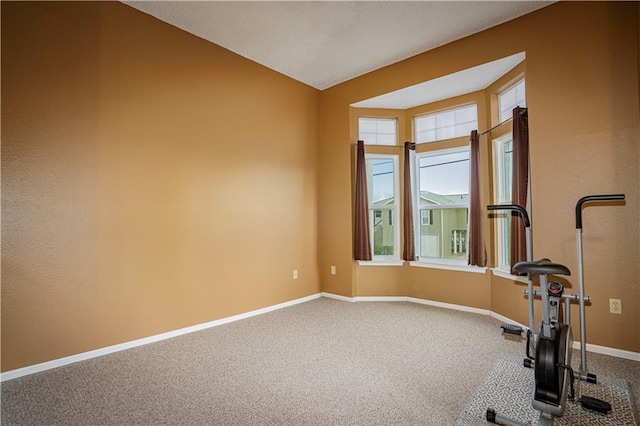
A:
(542, 266)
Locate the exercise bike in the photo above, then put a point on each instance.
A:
(552, 363)
(552, 347)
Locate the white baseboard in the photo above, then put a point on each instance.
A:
(337, 297)
(20, 372)
(618, 353)
(406, 299)
(506, 320)
(365, 298)
(448, 306)
(380, 299)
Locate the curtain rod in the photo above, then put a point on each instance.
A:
(496, 126)
(500, 124)
(413, 145)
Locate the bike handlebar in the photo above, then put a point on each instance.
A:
(522, 212)
(589, 198)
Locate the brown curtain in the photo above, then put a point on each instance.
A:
(409, 248)
(362, 244)
(520, 182)
(477, 252)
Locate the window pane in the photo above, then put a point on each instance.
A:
(367, 126)
(426, 136)
(443, 205)
(383, 233)
(465, 115)
(445, 236)
(368, 138)
(504, 192)
(446, 119)
(508, 100)
(520, 94)
(426, 217)
(503, 176)
(383, 212)
(447, 132)
(426, 122)
(511, 98)
(377, 131)
(386, 126)
(505, 240)
(452, 123)
(466, 128)
(381, 181)
(444, 178)
(386, 139)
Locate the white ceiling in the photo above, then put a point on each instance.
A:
(448, 86)
(323, 43)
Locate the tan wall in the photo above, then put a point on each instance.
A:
(461, 288)
(382, 281)
(150, 180)
(136, 199)
(582, 94)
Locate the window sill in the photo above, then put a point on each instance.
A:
(462, 268)
(504, 274)
(380, 262)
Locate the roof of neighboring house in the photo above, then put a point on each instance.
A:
(383, 202)
(427, 197)
(433, 198)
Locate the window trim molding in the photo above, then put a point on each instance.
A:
(449, 267)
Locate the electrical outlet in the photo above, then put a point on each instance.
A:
(615, 306)
(333, 270)
(295, 274)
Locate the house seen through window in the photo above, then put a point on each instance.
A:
(443, 194)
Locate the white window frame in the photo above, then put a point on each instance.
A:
(437, 262)
(501, 95)
(440, 113)
(368, 141)
(501, 198)
(428, 217)
(395, 209)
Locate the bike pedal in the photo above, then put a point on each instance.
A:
(595, 404)
(511, 328)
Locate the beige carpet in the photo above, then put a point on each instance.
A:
(322, 362)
